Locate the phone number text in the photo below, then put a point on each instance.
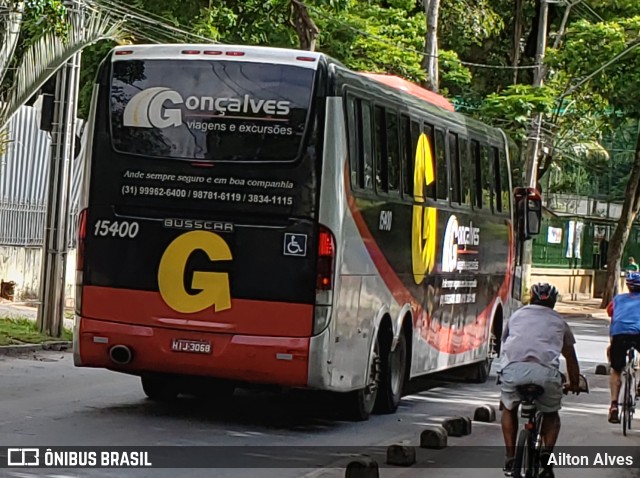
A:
(153, 191)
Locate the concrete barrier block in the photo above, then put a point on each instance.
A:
(362, 468)
(603, 369)
(401, 455)
(457, 426)
(433, 437)
(485, 414)
(467, 425)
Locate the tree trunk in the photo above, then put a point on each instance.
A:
(630, 208)
(304, 25)
(430, 62)
(517, 35)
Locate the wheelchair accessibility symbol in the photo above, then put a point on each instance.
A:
(295, 244)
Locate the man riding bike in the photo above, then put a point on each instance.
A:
(533, 341)
(624, 330)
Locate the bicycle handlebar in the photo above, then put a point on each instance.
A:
(582, 384)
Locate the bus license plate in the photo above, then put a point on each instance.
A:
(191, 346)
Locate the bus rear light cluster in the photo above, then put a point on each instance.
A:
(324, 280)
(326, 260)
(82, 234)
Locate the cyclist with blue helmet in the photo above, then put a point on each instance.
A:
(624, 311)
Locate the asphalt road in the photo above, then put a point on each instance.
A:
(45, 401)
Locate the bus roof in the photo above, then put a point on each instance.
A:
(411, 88)
(256, 54)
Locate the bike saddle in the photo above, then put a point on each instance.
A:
(530, 391)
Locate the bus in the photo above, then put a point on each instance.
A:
(264, 216)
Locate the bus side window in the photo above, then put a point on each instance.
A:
(476, 188)
(380, 148)
(466, 185)
(504, 182)
(485, 178)
(407, 145)
(497, 180)
(442, 180)
(353, 130)
(454, 156)
(430, 191)
(393, 153)
(366, 147)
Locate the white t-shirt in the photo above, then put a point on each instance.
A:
(535, 333)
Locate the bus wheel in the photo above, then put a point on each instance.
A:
(160, 389)
(359, 403)
(481, 371)
(215, 390)
(392, 374)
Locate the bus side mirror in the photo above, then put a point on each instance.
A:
(529, 207)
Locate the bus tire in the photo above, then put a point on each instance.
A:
(359, 404)
(392, 374)
(481, 371)
(159, 389)
(215, 390)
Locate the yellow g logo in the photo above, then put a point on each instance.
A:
(213, 286)
(423, 235)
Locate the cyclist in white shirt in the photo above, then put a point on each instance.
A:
(533, 341)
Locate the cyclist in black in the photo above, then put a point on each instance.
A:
(533, 341)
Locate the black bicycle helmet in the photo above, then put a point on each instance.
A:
(544, 294)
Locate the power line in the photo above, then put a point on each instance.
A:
(160, 24)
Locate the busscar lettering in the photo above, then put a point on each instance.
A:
(198, 225)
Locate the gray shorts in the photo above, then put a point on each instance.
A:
(524, 373)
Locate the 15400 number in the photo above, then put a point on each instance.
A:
(121, 229)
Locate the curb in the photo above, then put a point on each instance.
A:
(584, 316)
(58, 346)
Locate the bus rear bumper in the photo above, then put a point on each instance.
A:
(253, 359)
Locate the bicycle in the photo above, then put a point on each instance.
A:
(529, 442)
(629, 378)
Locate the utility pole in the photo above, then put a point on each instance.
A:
(54, 256)
(534, 139)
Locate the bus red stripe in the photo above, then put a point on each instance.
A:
(248, 317)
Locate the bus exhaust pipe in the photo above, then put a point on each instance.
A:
(120, 354)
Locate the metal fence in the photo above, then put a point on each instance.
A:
(574, 242)
(565, 243)
(24, 175)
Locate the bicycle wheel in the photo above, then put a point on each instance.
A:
(626, 403)
(523, 466)
(630, 400)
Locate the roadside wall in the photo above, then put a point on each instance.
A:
(574, 284)
(22, 265)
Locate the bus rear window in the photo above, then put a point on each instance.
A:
(209, 110)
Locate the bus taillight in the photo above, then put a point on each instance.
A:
(324, 280)
(326, 259)
(82, 234)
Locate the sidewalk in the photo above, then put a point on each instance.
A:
(589, 308)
